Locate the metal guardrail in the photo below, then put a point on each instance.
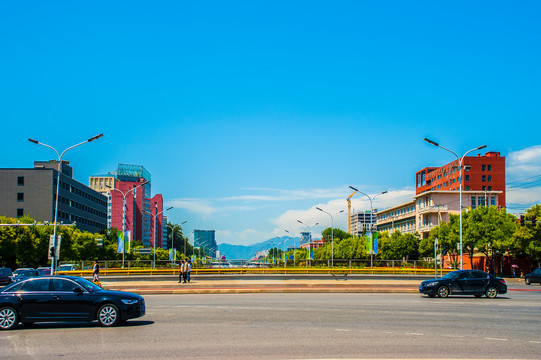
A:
(258, 271)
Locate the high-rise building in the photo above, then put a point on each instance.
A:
(32, 192)
(129, 182)
(363, 221)
(206, 239)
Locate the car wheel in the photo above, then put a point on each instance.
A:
(108, 315)
(527, 281)
(491, 292)
(9, 318)
(443, 291)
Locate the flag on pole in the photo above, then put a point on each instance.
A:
(127, 241)
(369, 242)
(375, 242)
(120, 244)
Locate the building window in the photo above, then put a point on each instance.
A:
(489, 167)
(20, 180)
(484, 188)
(490, 188)
(20, 212)
(467, 178)
(20, 196)
(489, 179)
(467, 188)
(492, 200)
(473, 202)
(484, 167)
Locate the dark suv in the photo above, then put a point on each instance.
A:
(5, 276)
(533, 277)
(464, 282)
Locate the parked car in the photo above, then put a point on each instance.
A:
(67, 267)
(5, 276)
(19, 270)
(22, 274)
(44, 271)
(533, 277)
(464, 282)
(65, 298)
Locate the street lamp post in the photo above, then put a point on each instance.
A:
(155, 231)
(309, 242)
(332, 232)
(54, 259)
(124, 195)
(371, 222)
(460, 168)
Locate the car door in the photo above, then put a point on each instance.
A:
(478, 282)
(71, 301)
(34, 298)
(460, 284)
(536, 275)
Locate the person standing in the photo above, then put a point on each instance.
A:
(96, 271)
(181, 274)
(188, 271)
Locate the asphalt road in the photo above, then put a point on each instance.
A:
(299, 326)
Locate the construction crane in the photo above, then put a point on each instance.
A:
(349, 211)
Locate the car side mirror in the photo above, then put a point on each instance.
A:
(77, 290)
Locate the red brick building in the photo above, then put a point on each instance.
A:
(481, 173)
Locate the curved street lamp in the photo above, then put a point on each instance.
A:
(155, 231)
(332, 232)
(60, 156)
(371, 222)
(309, 242)
(460, 168)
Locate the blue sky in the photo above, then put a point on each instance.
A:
(250, 114)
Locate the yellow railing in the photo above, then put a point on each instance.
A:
(256, 271)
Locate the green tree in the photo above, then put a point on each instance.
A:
(527, 238)
(490, 230)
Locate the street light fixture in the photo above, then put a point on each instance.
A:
(309, 242)
(156, 230)
(54, 260)
(124, 195)
(332, 232)
(371, 222)
(460, 168)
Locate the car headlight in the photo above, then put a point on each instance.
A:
(130, 301)
(433, 283)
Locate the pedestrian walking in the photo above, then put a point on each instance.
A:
(188, 270)
(96, 271)
(181, 274)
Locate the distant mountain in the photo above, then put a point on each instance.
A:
(238, 252)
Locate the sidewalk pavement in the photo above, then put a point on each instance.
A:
(228, 286)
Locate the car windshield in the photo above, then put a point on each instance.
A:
(451, 275)
(90, 286)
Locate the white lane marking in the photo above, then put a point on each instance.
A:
(341, 330)
(535, 342)
(417, 334)
(496, 339)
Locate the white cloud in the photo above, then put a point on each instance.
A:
(198, 206)
(523, 173)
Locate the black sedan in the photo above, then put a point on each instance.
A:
(464, 282)
(65, 298)
(533, 277)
